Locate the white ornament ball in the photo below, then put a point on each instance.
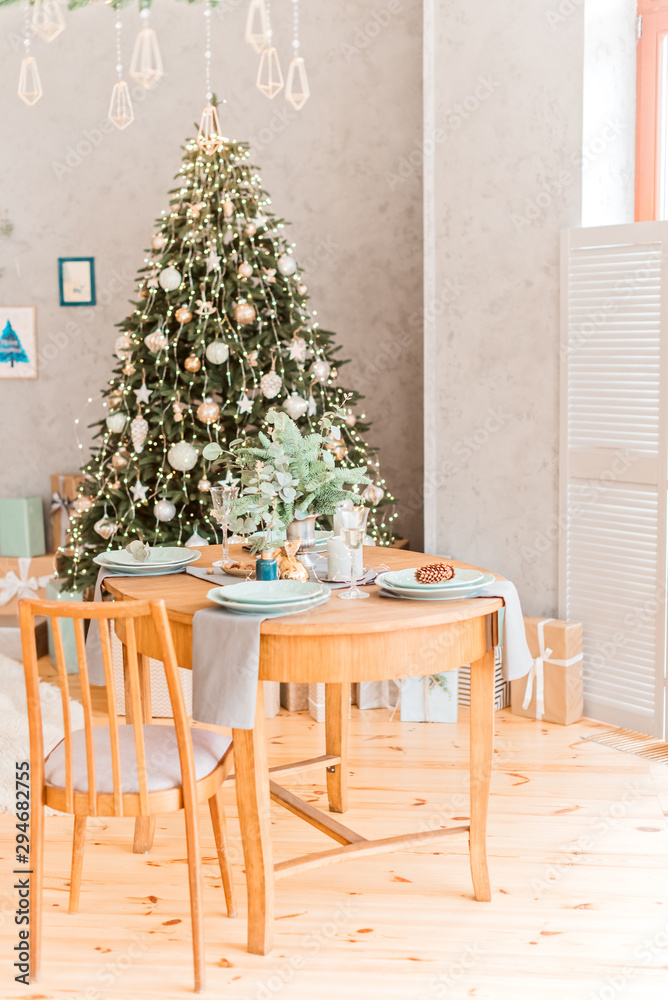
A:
(170, 279)
(250, 229)
(208, 411)
(244, 313)
(116, 422)
(373, 493)
(156, 341)
(287, 264)
(245, 270)
(123, 346)
(302, 288)
(158, 241)
(295, 406)
(320, 369)
(271, 384)
(106, 528)
(182, 456)
(164, 510)
(217, 352)
(204, 486)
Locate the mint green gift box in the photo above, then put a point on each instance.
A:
(21, 527)
(55, 592)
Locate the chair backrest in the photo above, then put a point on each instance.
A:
(123, 615)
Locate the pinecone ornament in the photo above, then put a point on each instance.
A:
(434, 573)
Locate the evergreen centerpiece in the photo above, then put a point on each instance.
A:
(219, 334)
(289, 476)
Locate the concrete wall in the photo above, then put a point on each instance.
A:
(339, 171)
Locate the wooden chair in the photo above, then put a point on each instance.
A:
(126, 769)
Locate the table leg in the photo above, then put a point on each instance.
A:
(337, 715)
(482, 734)
(252, 783)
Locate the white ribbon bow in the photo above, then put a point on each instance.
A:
(65, 505)
(12, 586)
(538, 672)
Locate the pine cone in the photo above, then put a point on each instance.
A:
(434, 573)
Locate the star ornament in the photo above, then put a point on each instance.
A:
(244, 404)
(298, 349)
(143, 393)
(139, 492)
(212, 261)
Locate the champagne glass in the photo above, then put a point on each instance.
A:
(353, 530)
(222, 498)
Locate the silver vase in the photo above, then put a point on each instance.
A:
(304, 530)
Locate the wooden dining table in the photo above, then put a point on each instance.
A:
(339, 643)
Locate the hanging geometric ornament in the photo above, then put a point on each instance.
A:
(228, 209)
(158, 241)
(209, 138)
(123, 347)
(287, 264)
(182, 456)
(297, 91)
(47, 19)
(183, 315)
(179, 409)
(164, 510)
(120, 106)
(116, 422)
(139, 492)
(208, 411)
(30, 88)
(170, 279)
(256, 25)
(105, 527)
(320, 370)
(271, 383)
(298, 349)
(295, 406)
(192, 363)
(217, 352)
(138, 432)
(156, 341)
(244, 313)
(373, 493)
(146, 64)
(204, 486)
(269, 75)
(245, 270)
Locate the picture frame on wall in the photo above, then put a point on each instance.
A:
(76, 278)
(18, 344)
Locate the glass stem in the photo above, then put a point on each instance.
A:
(226, 547)
(353, 574)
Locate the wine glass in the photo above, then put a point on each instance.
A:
(353, 531)
(222, 498)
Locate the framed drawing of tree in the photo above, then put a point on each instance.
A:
(17, 342)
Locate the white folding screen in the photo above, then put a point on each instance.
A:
(614, 465)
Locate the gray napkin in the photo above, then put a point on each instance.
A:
(517, 660)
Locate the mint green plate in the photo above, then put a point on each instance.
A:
(159, 556)
(267, 592)
(405, 579)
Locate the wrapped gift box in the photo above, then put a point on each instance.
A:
(501, 687)
(10, 637)
(23, 577)
(64, 490)
(557, 650)
(377, 694)
(21, 527)
(294, 697)
(55, 592)
(425, 699)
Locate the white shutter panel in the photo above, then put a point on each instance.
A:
(614, 466)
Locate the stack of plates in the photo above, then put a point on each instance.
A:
(160, 561)
(269, 597)
(464, 583)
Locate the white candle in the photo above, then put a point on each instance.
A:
(344, 505)
(338, 560)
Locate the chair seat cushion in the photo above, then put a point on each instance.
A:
(163, 769)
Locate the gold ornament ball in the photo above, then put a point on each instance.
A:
(192, 363)
(373, 493)
(115, 399)
(208, 411)
(302, 288)
(250, 229)
(244, 313)
(120, 460)
(245, 270)
(129, 369)
(204, 486)
(183, 315)
(340, 452)
(350, 419)
(228, 209)
(144, 293)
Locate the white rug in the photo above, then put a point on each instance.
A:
(14, 739)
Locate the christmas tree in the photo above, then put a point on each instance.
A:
(11, 348)
(220, 334)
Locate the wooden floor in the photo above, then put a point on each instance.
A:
(578, 859)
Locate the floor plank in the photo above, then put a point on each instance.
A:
(578, 859)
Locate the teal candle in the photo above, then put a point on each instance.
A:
(266, 567)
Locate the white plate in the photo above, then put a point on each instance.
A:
(217, 596)
(447, 594)
(159, 557)
(264, 592)
(132, 571)
(404, 579)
